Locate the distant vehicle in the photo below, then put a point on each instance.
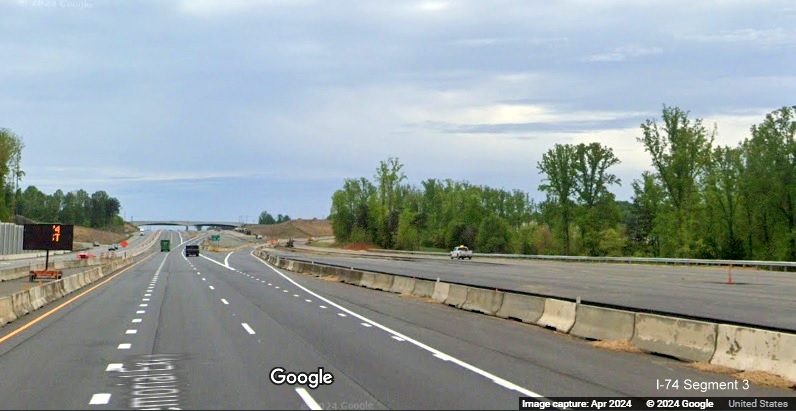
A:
(141, 234)
(113, 247)
(461, 252)
(96, 243)
(289, 243)
(192, 250)
(165, 245)
(84, 255)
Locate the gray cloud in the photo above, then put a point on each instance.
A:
(271, 104)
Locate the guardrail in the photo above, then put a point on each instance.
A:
(626, 260)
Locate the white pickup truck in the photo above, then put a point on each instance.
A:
(462, 252)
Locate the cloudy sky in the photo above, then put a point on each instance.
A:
(203, 109)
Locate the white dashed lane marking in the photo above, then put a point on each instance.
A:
(125, 346)
(114, 367)
(100, 399)
(224, 301)
(247, 328)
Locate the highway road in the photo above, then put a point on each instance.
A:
(756, 297)
(15, 285)
(133, 241)
(222, 330)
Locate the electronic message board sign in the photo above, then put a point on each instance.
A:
(47, 237)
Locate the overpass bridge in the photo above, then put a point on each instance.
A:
(187, 224)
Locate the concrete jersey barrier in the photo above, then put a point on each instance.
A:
(424, 288)
(441, 291)
(752, 349)
(483, 301)
(457, 295)
(402, 285)
(558, 314)
(604, 324)
(681, 338)
(7, 313)
(525, 308)
(383, 282)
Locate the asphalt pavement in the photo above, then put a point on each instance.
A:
(755, 297)
(227, 331)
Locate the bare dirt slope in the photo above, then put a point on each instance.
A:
(89, 235)
(293, 229)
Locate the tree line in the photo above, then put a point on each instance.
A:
(76, 207)
(267, 218)
(699, 200)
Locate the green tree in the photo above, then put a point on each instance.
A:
(389, 176)
(648, 203)
(723, 196)
(769, 180)
(559, 184)
(494, 235)
(11, 146)
(597, 208)
(680, 152)
(265, 218)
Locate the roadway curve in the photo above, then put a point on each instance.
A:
(756, 297)
(211, 329)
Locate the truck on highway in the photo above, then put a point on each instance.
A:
(165, 245)
(192, 250)
(461, 252)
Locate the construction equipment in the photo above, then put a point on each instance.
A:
(52, 274)
(289, 243)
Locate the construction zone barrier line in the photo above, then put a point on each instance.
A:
(24, 302)
(743, 348)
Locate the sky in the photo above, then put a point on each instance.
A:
(219, 110)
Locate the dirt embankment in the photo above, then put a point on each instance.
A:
(90, 235)
(293, 229)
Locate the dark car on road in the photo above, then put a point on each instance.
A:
(192, 250)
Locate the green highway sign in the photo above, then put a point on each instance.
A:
(216, 237)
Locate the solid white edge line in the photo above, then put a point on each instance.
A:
(500, 381)
(308, 399)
